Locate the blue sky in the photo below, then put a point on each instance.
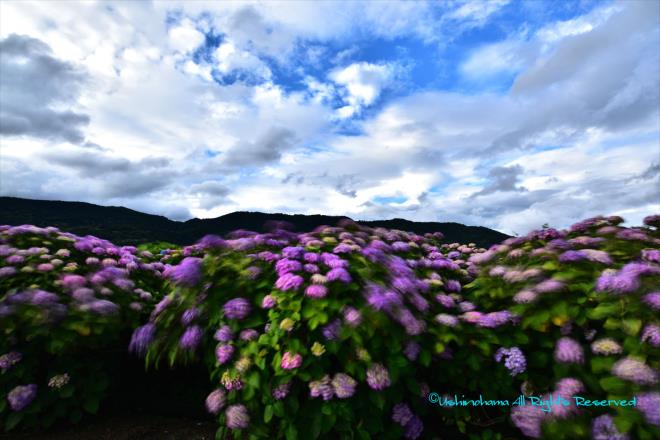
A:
(506, 114)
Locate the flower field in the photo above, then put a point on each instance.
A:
(344, 331)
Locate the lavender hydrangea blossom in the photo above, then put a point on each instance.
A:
(514, 359)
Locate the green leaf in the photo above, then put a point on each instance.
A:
(291, 432)
(13, 419)
(268, 413)
(91, 405)
(613, 385)
(632, 326)
(603, 310)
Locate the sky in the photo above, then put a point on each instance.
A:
(506, 114)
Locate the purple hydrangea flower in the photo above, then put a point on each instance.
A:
(141, 338)
(291, 361)
(10, 359)
(401, 414)
(215, 401)
(21, 396)
(224, 352)
(618, 282)
(248, 334)
(312, 257)
(651, 255)
(316, 291)
(635, 371)
(321, 388)
(653, 300)
(101, 307)
(514, 359)
(352, 316)
(525, 297)
(294, 253)
(453, 286)
(191, 337)
(649, 405)
(339, 274)
(224, 334)
(281, 391)
(289, 281)
(237, 417)
(549, 286)
(378, 377)
(603, 428)
(268, 302)
(572, 256)
(494, 319)
(331, 331)
(343, 385)
(651, 334)
(237, 308)
(445, 319)
(569, 351)
(412, 350)
(528, 419)
(188, 272)
(189, 315)
(446, 300)
(414, 428)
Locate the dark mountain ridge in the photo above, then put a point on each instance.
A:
(125, 226)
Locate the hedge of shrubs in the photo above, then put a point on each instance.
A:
(346, 331)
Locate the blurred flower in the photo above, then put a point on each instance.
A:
(414, 428)
(525, 297)
(651, 334)
(224, 334)
(321, 388)
(248, 334)
(411, 351)
(10, 359)
(569, 351)
(378, 377)
(237, 308)
(352, 316)
(141, 338)
(215, 401)
(319, 279)
(268, 302)
(606, 347)
(188, 272)
(331, 331)
(401, 414)
(316, 291)
(528, 419)
(291, 361)
(603, 428)
(281, 391)
(653, 299)
(635, 371)
(649, 405)
(317, 349)
(237, 417)
(191, 337)
(445, 319)
(287, 324)
(58, 381)
(514, 360)
(21, 396)
(289, 281)
(339, 274)
(549, 286)
(223, 353)
(189, 315)
(343, 385)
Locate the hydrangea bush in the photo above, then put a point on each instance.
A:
(344, 331)
(588, 301)
(327, 332)
(65, 303)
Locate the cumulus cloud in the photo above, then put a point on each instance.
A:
(363, 84)
(38, 92)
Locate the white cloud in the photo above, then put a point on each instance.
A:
(363, 83)
(185, 37)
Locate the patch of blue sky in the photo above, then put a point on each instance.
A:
(631, 139)
(210, 153)
(541, 148)
(204, 53)
(386, 200)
